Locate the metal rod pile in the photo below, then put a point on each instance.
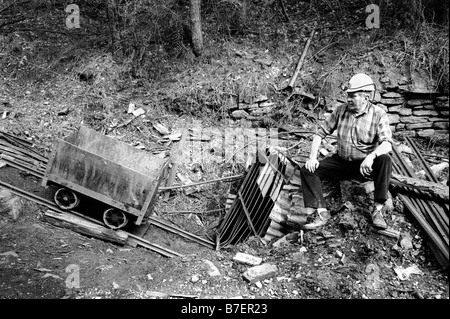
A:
(249, 212)
(430, 214)
(19, 153)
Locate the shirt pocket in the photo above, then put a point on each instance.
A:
(365, 133)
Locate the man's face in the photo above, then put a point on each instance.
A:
(356, 101)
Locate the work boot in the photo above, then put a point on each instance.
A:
(377, 217)
(320, 220)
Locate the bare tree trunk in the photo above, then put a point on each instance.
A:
(196, 26)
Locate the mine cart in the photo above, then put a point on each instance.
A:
(94, 165)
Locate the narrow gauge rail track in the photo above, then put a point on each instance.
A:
(138, 240)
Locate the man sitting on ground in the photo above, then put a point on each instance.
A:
(364, 142)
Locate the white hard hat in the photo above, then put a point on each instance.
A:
(360, 82)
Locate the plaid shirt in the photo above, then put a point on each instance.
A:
(358, 135)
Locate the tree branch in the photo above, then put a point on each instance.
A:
(9, 6)
(283, 10)
(4, 24)
(60, 32)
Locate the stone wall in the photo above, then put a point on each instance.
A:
(413, 111)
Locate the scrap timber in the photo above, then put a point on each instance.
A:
(19, 153)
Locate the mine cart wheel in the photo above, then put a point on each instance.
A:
(114, 218)
(66, 199)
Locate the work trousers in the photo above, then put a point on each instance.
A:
(340, 169)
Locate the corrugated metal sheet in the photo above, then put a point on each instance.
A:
(249, 212)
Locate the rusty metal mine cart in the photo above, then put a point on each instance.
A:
(100, 167)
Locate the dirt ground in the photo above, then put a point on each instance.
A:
(41, 261)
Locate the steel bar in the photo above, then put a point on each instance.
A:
(235, 218)
(257, 198)
(192, 212)
(249, 192)
(262, 183)
(249, 220)
(422, 161)
(159, 223)
(425, 213)
(162, 250)
(232, 214)
(236, 177)
(438, 241)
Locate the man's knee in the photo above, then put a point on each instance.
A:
(385, 158)
(304, 171)
(383, 164)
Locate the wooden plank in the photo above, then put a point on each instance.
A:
(300, 61)
(10, 161)
(117, 151)
(420, 185)
(99, 175)
(176, 156)
(11, 152)
(85, 227)
(151, 199)
(51, 159)
(24, 151)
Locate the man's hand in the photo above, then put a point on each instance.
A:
(366, 166)
(311, 165)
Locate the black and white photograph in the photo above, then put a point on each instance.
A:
(224, 158)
